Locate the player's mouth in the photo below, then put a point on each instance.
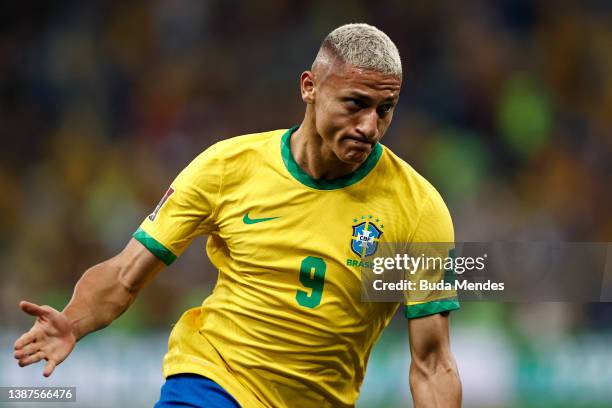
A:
(360, 142)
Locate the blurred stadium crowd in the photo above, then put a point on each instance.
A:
(506, 107)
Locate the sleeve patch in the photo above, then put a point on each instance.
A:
(161, 204)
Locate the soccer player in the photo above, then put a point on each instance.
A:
(288, 213)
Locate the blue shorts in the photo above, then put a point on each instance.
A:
(194, 391)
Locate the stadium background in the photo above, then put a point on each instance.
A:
(506, 107)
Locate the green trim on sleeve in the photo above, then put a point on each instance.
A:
(157, 249)
(345, 181)
(429, 308)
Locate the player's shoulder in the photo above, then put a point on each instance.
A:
(407, 180)
(239, 151)
(252, 142)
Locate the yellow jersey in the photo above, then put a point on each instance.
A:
(285, 325)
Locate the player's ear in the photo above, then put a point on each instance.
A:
(307, 86)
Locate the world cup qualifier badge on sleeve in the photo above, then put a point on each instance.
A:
(161, 203)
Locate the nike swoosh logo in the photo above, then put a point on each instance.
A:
(247, 220)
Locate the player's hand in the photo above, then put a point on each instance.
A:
(51, 338)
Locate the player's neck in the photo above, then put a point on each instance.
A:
(314, 157)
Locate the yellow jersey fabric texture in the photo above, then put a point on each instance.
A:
(285, 325)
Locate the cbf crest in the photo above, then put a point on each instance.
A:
(366, 235)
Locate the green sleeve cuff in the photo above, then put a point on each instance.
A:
(157, 249)
(429, 308)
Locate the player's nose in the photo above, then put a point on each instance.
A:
(368, 125)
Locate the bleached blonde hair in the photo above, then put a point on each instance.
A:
(363, 46)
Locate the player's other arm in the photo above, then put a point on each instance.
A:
(102, 294)
(106, 290)
(434, 379)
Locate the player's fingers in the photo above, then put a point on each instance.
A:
(25, 339)
(32, 308)
(34, 358)
(28, 349)
(49, 367)
(24, 352)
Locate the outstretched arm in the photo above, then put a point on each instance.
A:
(102, 294)
(434, 379)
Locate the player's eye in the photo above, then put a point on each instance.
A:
(355, 103)
(384, 109)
